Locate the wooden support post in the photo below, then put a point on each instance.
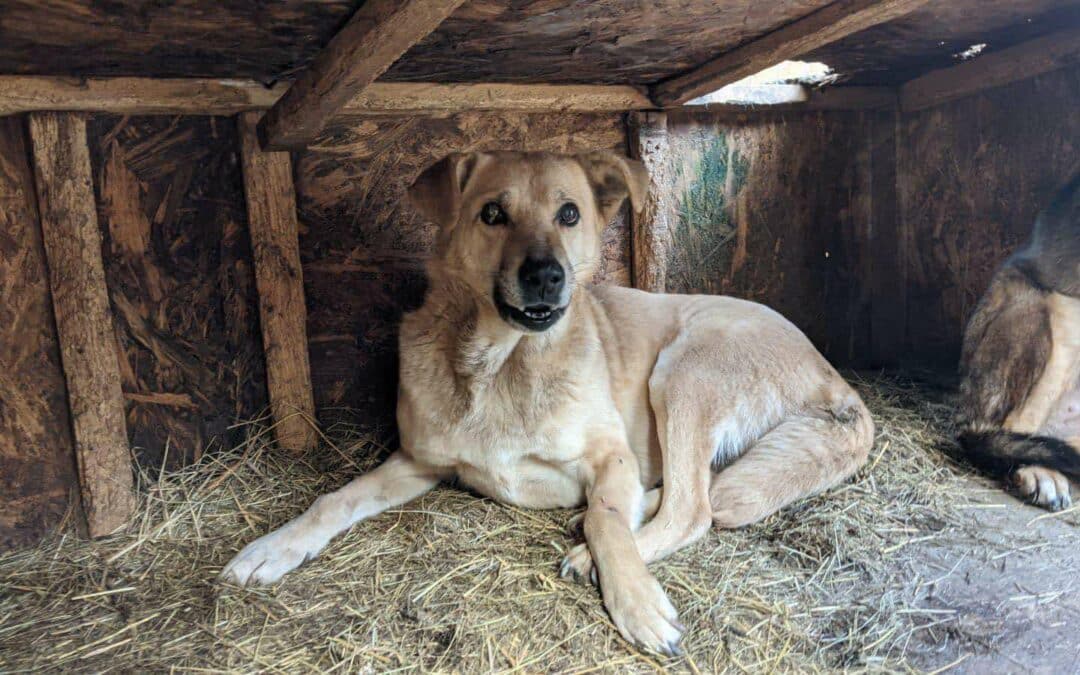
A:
(271, 204)
(84, 323)
(650, 229)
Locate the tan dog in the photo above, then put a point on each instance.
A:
(536, 389)
(1020, 367)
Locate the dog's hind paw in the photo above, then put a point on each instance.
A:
(1044, 487)
(578, 564)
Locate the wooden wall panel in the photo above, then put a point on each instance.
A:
(776, 210)
(178, 263)
(972, 176)
(38, 479)
(363, 248)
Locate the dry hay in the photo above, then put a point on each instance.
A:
(456, 583)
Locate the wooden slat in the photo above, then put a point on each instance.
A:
(145, 96)
(888, 266)
(994, 69)
(83, 318)
(651, 237)
(829, 24)
(271, 200)
(376, 36)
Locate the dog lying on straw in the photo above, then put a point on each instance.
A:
(528, 385)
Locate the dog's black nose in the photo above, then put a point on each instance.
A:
(541, 280)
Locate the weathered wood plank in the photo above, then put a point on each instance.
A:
(650, 229)
(826, 25)
(37, 455)
(83, 318)
(995, 69)
(147, 96)
(376, 36)
(271, 199)
(888, 281)
(178, 266)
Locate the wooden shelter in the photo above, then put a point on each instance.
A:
(202, 202)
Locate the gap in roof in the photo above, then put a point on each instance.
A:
(786, 82)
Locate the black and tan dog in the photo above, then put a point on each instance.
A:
(527, 384)
(1020, 367)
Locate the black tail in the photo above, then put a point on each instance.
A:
(999, 453)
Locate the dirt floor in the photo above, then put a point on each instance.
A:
(912, 565)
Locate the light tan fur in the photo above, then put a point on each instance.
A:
(625, 391)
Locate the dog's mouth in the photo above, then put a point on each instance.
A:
(536, 318)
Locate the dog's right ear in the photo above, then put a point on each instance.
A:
(436, 192)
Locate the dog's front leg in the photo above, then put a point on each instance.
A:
(394, 482)
(637, 604)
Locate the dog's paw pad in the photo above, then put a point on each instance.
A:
(1044, 487)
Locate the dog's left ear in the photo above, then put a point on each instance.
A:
(613, 179)
(436, 192)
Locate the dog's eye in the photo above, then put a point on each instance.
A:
(492, 214)
(568, 215)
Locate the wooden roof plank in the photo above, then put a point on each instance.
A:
(994, 69)
(825, 26)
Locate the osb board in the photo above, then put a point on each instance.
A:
(972, 176)
(504, 40)
(931, 38)
(588, 40)
(776, 210)
(192, 38)
(178, 267)
(37, 455)
(363, 248)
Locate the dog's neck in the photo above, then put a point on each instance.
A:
(480, 343)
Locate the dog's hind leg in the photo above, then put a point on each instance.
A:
(804, 454)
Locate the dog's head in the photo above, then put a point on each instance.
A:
(522, 230)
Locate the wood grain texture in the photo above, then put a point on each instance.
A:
(650, 229)
(887, 265)
(599, 41)
(827, 25)
(148, 96)
(178, 265)
(972, 176)
(998, 68)
(363, 248)
(776, 210)
(376, 36)
(182, 38)
(83, 317)
(271, 205)
(38, 479)
(930, 38)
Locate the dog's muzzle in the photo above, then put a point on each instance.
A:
(541, 283)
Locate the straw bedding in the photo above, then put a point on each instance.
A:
(457, 583)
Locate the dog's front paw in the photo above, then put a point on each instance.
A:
(270, 557)
(1043, 486)
(578, 564)
(644, 615)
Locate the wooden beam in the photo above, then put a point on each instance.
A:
(84, 323)
(378, 34)
(650, 230)
(271, 203)
(993, 69)
(147, 96)
(827, 25)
